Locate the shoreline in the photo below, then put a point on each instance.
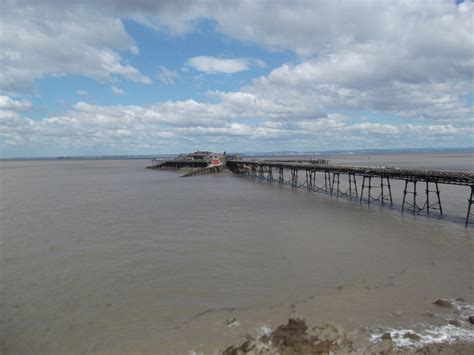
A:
(448, 329)
(296, 337)
(352, 317)
(345, 319)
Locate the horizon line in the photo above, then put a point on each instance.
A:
(254, 153)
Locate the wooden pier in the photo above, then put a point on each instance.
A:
(211, 169)
(421, 189)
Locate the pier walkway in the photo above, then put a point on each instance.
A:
(210, 169)
(320, 176)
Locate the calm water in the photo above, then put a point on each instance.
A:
(97, 255)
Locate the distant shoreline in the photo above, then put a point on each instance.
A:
(355, 152)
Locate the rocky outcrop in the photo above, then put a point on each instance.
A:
(295, 338)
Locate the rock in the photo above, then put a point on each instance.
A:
(471, 319)
(455, 322)
(296, 338)
(232, 322)
(262, 348)
(443, 303)
(397, 313)
(293, 338)
(285, 334)
(386, 336)
(411, 336)
(248, 345)
(233, 350)
(460, 299)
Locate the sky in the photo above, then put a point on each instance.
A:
(114, 77)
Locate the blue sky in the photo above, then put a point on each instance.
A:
(116, 77)
(157, 49)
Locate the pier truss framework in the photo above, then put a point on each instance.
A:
(420, 194)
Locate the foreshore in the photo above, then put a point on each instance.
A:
(448, 328)
(402, 313)
(296, 337)
(346, 320)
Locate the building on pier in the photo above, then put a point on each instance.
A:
(198, 159)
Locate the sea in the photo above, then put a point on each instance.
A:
(108, 257)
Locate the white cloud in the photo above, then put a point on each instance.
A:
(81, 92)
(259, 63)
(7, 103)
(309, 27)
(167, 76)
(47, 39)
(357, 33)
(214, 65)
(315, 85)
(182, 125)
(117, 91)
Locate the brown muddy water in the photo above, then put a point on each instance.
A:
(104, 256)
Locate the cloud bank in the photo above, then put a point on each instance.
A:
(367, 74)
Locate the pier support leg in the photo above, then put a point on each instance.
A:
(253, 171)
(429, 204)
(427, 198)
(382, 195)
(469, 206)
(281, 179)
(415, 209)
(270, 174)
(389, 191)
(362, 189)
(327, 181)
(385, 191)
(352, 186)
(294, 177)
(414, 196)
(311, 174)
(439, 200)
(335, 180)
(370, 188)
(404, 195)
